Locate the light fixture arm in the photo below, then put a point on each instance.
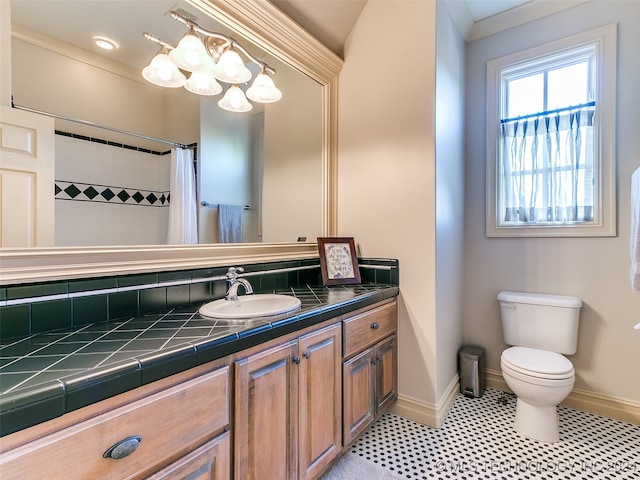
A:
(232, 42)
(157, 40)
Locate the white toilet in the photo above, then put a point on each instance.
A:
(540, 329)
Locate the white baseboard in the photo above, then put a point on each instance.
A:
(433, 415)
(424, 412)
(580, 399)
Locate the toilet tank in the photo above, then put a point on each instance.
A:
(535, 320)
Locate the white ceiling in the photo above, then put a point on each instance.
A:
(331, 21)
(481, 9)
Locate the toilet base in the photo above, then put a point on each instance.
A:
(538, 422)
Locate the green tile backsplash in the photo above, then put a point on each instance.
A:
(37, 290)
(86, 285)
(52, 315)
(25, 309)
(153, 300)
(88, 310)
(15, 321)
(135, 280)
(123, 304)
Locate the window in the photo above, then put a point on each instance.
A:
(550, 145)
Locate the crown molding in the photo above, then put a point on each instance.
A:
(528, 12)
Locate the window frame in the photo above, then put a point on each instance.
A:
(605, 39)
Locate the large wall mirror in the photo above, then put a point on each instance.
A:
(277, 160)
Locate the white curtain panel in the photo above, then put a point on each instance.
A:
(183, 223)
(548, 167)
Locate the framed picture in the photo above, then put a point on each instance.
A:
(338, 260)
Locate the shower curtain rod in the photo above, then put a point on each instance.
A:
(91, 124)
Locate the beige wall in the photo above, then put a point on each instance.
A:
(292, 177)
(5, 53)
(450, 81)
(593, 269)
(225, 167)
(71, 82)
(386, 167)
(401, 190)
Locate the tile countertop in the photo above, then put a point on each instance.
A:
(46, 375)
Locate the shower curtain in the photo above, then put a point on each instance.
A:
(182, 206)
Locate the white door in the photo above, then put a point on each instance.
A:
(27, 161)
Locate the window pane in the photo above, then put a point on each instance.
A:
(568, 86)
(545, 174)
(525, 96)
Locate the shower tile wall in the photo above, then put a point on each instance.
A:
(85, 222)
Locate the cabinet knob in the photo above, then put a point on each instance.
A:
(123, 448)
(306, 355)
(296, 360)
(375, 325)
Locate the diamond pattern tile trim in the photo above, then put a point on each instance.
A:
(477, 441)
(84, 192)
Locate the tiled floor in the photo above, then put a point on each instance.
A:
(477, 441)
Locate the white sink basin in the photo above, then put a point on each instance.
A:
(250, 306)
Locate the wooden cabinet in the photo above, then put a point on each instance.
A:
(169, 424)
(287, 421)
(297, 402)
(369, 371)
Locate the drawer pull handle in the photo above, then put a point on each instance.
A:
(375, 325)
(296, 360)
(123, 448)
(307, 355)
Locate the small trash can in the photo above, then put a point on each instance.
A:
(471, 364)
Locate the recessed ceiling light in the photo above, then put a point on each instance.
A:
(104, 42)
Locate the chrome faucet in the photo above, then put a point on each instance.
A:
(234, 282)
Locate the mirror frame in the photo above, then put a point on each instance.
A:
(268, 28)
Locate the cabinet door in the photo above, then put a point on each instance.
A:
(386, 358)
(266, 413)
(358, 390)
(209, 462)
(320, 397)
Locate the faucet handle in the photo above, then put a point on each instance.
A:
(232, 273)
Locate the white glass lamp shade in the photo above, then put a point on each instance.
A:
(203, 83)
(231, 69)
(234, 100)
(190, 54)
(163, 72)
(263, 90)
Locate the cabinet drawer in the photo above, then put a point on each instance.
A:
(364, 329)
(170, 423)
(209, 462)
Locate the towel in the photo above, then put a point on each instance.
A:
(635, 231)
(230, 223)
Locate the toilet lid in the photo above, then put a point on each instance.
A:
(537, 363)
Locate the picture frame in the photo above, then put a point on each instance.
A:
(338, 260)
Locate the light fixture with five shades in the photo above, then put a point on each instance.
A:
(216, 59)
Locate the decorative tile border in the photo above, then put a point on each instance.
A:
(111, 144)
(86, 192)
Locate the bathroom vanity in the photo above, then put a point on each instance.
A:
(260, 398)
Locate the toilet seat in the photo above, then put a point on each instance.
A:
(536, 363)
